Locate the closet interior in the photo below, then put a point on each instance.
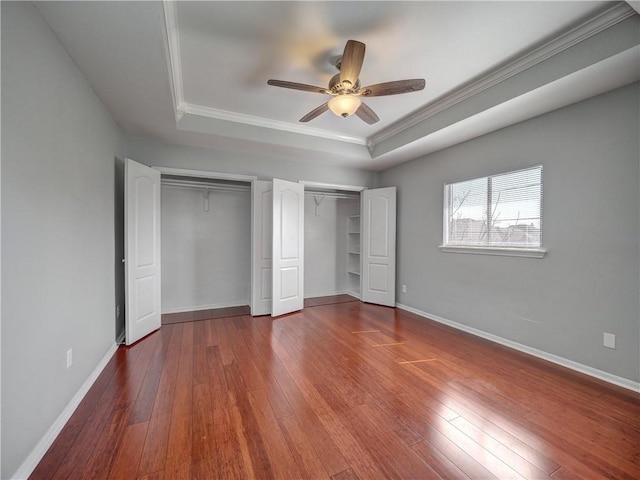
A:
(206, 243)
(332, 242)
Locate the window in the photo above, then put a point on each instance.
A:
(500, 214)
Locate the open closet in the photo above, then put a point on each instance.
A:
(206, 243)
(188, 243)
(361, 258)
(229, 240)
(332, 242)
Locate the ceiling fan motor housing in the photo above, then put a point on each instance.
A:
(336, 87)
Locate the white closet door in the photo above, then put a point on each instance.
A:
(288, 247)
(262, 248)
(379, 246)
(142, 250)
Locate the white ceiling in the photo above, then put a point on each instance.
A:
(195, 73)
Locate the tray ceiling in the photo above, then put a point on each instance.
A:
(195, 73)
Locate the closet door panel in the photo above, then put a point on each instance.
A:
(379, 246)
(262, 248)
(288, 247)
(142, 251)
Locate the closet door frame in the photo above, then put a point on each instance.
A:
(256, 281)
(332, 186)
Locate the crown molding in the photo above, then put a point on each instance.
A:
(174, 62)
(635, 4)
(217, 114)
(575, 35)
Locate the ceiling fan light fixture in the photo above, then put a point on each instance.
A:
(344, 105)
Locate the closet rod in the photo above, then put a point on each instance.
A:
(346, 196)
(205, 186)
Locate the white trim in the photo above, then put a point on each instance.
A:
(31, 462)
(589, 28)
(564, 362)
(212, 306)
(205, 174)
(635, 4)
(120, 339)
(333, 186)
(172, 50)
(242, 118)
(502, 251)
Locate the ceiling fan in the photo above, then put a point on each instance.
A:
(345, 88)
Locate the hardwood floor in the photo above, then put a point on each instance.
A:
(208, 314)
(342, 391)
(181, 317)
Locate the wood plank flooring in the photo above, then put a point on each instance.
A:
(208, 314)
(181, 317)
(341, 391)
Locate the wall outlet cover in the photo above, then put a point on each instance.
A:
(609, 340)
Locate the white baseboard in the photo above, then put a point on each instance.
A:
(31, 462)
(197, 308)
(564, 362)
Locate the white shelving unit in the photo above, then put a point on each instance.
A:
(353, 253)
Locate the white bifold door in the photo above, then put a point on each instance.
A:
(278, 276)
(261, 278)
(378, 239)
(288, 247)
(142, 250)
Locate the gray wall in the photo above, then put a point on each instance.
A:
(265, 168)
(62, 218)
(58, 151)
(588, 282)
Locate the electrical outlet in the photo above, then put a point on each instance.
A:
(609, 340)
(69, 357)
(404, 289)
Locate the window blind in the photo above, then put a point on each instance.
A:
(503, 210)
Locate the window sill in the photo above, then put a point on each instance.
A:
(503, 251)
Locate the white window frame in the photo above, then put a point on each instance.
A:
(511, 251)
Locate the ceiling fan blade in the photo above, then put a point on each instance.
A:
(315, 112)
(296, 86)
(365, 113)
(392, 88)
(351, 62)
